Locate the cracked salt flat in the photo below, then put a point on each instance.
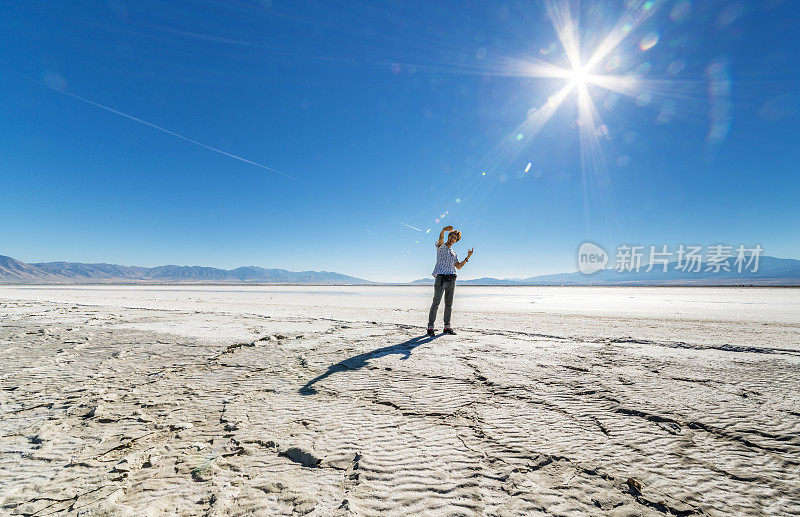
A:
(328, 401)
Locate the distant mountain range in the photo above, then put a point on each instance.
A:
(771, 271)
(13, 271)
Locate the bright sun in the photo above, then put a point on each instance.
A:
(579, 76)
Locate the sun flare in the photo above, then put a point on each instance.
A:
(579, 76)
(588, 67)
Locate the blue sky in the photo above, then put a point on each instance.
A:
(388, 113)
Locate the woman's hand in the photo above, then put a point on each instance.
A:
(441, 235)
(469, 252)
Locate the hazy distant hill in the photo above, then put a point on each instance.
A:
(17, 272)
(771, 271)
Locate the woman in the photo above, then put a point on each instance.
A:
(445, 273)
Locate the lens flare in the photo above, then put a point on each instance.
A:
(648, 42)
(680, 11)
(644, 99)
(613, 63)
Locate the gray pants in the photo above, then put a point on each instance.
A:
(444, 284)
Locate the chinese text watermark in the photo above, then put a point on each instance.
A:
(713, 259)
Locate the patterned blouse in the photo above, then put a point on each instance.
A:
(446, 260)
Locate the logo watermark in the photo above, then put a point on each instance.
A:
(591, 258)
(717, 258)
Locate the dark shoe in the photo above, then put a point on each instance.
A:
(449, 331)
(431, 333)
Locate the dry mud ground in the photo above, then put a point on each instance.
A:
(142, 401)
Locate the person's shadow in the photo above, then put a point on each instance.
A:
(361, 360)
